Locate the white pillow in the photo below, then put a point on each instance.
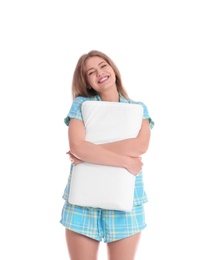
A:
(101, 186)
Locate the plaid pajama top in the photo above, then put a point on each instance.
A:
(140, 196)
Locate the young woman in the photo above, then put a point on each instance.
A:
(96, 77)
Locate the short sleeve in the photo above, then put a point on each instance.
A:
(146, 114)
(75, 110)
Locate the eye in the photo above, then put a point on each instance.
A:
(90, 73)
(104, 65)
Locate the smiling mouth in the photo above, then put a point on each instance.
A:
(103, 79)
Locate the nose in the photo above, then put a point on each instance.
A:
(98, 72)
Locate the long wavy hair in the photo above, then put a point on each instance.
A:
(79, 82)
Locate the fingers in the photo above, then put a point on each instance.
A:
(75, 161)
(70, 157)
(141, 160)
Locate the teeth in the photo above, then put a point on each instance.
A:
(103, 79)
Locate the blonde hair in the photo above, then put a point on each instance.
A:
(79, 82)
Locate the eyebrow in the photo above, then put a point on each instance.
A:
(98, 65)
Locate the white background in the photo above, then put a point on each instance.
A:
(164, 52)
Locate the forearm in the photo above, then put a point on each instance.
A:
(133, 147)
(96, 154)
(92, 153)
(129, 147)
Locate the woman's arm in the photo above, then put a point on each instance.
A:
(133, 146)
(92, 153)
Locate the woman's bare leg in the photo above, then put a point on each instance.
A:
(81, 247)
(124, 249)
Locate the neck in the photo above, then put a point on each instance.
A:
(111, 97)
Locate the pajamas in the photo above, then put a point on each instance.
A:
(109, 225)
(98, 224)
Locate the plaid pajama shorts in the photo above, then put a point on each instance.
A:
(98, 224)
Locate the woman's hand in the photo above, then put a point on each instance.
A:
(74, 160)
(134, 165)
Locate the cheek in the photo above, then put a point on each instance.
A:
(114, 78)
(113, 74)
(91, 81)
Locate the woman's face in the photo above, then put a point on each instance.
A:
(100, 75)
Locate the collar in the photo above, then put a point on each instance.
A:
(121, 98)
